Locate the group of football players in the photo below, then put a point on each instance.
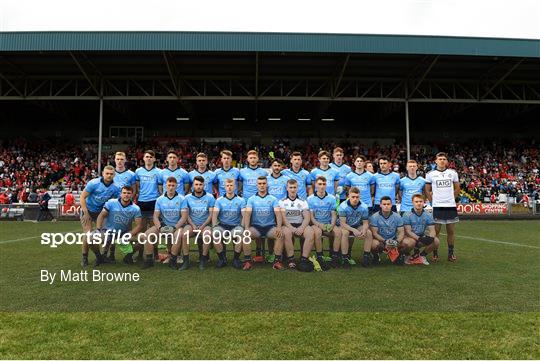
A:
(278, 209)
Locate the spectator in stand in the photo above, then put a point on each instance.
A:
(69, 199)
(4, 198)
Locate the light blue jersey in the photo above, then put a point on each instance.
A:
(385, 185)
(120, 217)
(331, 176)
(249, 176)
(322, 208)
(277, 187)
(363, 182)
(99, 193)
(302, 177)
(125, 178)
(198, 207)
(262, 210)
(170, 209)
(181, 176)
(342, 170)
(149, 180)
(353, 215)
(230, 210)
(209, 179)
(410, 187)
(222, 175)
(419, 222)
(386, 226)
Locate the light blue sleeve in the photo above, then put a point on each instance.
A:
(400, 221)
(332, 203)
(342, 211)
(250, 202)
(118, 191)
(211, 201)
(138, 212)
(406, 218)
(136, 176)
(217, 204)
(308, 179)
(91, 187)
(108, 204)
(365, 213)
(158, 205)
(185, 204)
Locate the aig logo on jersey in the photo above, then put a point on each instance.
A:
(444, 183)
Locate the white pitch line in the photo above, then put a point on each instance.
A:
(497, 242)
(29, 238)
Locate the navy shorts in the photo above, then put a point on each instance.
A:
(445, 215)
(93, 215)
(263, 230)
(147, 208)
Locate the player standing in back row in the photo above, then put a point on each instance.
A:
(442, 188)
(299, 174)
(410, 185)
(385, 183)
(343, 169)
(331, 175)
(148, 186)
(227, 171)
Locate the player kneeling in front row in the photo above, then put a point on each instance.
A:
(417, 222)
(323, 217)
(263, 219)
(168, 224)
(387, 229)
(353, 217)
(296, 218)
(197, 209)
(227, 218)
(118, 215)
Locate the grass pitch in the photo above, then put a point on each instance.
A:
(487, 305)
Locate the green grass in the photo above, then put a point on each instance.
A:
(487, 305)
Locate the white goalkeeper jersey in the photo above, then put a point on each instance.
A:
(442, 185)
(293, 209)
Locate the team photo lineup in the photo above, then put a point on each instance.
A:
(284, 180)
(272, 211)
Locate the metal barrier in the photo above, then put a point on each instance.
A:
(24, 212)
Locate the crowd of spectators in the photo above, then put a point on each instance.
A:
(487, 169)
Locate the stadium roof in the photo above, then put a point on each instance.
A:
(75, 74)
(287, 42)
